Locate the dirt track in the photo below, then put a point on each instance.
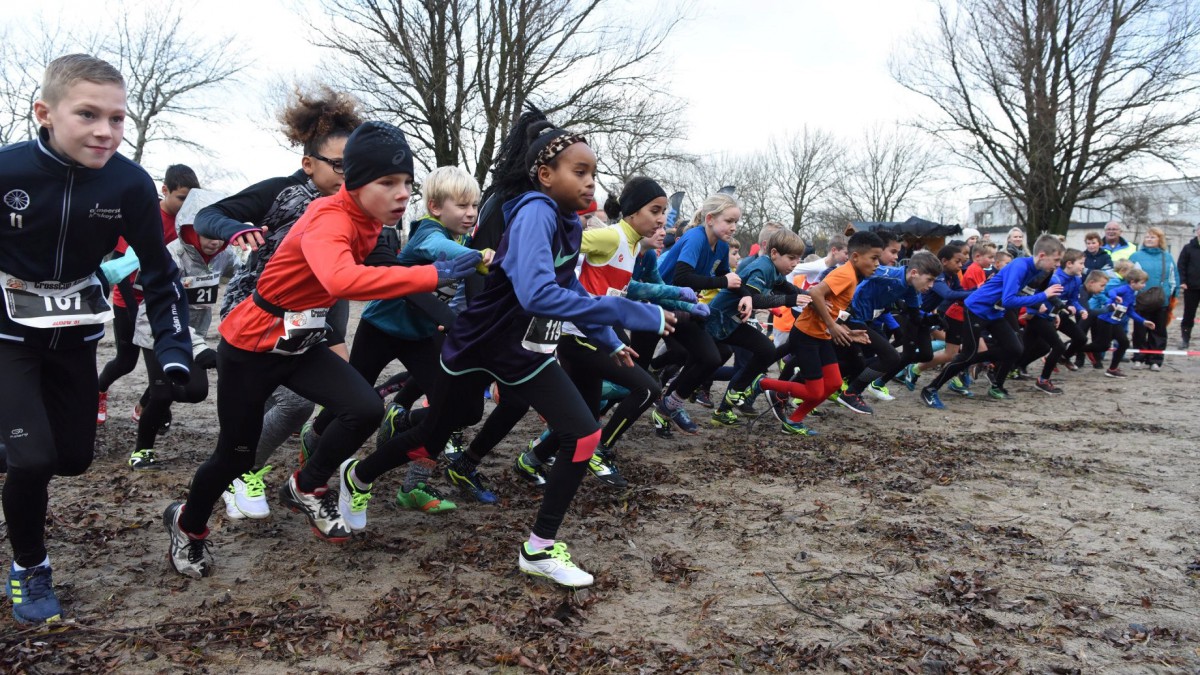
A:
(1037, 535)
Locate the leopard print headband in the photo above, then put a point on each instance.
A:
(552, 150)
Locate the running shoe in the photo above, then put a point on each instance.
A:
(998, 393)
(780, 407)
(352, 502)
(1046, 386)
(1114, 372)
(246, 496)
(1155, 367)
(424, 497)
(32, 593)
(853, 402)
(395, 422)
(471, 483)
(959, 387)
(798, 429)
(1137, 365)
(930, 397)
(531, 473)
(880, 391)
(1016, 374)
(1070, 365)
(703, 398)
(308, 442)
(141, 460)
(724, 418)
(737, 398)
(679, 416)
(603, 466)
(909, 378)
(454, 446)
(102, 408)
(320, 507)
(662, 425)
(188, 553)
(553, 563)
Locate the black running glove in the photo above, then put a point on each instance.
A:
(206, 359)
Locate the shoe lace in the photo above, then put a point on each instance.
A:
(430, 490)
(37, 583)
(559, 553)
(328, 506)
(255, 486)
(196, 549)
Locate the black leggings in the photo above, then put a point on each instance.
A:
(857, 369)
(125, 360)
(48, 422)
(1156, 339)
(703, 358)
(1005, 349)
(456, 402)
(1191, 299)
(1103, 334)
(588, 367)
(760, 349)
(374, 349)
(1041, 339)
(162, 393)
(245, 380)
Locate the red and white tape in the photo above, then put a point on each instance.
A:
(1161, 352)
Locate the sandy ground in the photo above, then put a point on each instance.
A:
(1037, 535)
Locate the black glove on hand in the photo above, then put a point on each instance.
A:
(206, 359)
(457, 268)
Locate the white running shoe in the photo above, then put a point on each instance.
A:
(246, 496)
(553, 563)
(352, 502)
(319, 507)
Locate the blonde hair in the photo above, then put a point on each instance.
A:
(449, 182)
(1135, 275)
(1162, 236)
(712, 206)
(65, 71)
(1122, 267)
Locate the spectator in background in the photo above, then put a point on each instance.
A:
(1016, 243)
(1189, 273)
(1095, 258)
(1115, 244)
(612, 209)
(1156, 262)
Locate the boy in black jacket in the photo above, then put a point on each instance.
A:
(1189, 278)
(67, 197)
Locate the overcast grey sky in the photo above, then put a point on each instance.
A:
(747, 70)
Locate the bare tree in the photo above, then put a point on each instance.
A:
(884, 174)
(25, 51)
(804, 170)
(167, 68)
(645, 145)
(1059, 101)
(456, 73)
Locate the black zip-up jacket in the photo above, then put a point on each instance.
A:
(59, 219)
(1189, 264)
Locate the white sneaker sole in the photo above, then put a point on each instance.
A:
(576, 579)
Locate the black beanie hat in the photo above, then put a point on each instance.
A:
(375, 149)
(638, 192)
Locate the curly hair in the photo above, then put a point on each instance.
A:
(311, 118)
(510, 174)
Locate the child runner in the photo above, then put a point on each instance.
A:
(942, 300)
(872, 299)
(1025, 282)
(276, 337)
(508, 333)
(699, 260)
(1114, 309)
(764, 285)
(606, 269)
(177, 182)
(55, 305)
(819, 326)
(396, 329)
(320, 125)
(1043, 323)
(201, 262)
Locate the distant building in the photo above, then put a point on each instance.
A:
(1173, 205)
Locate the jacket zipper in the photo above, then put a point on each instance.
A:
(62, 242)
